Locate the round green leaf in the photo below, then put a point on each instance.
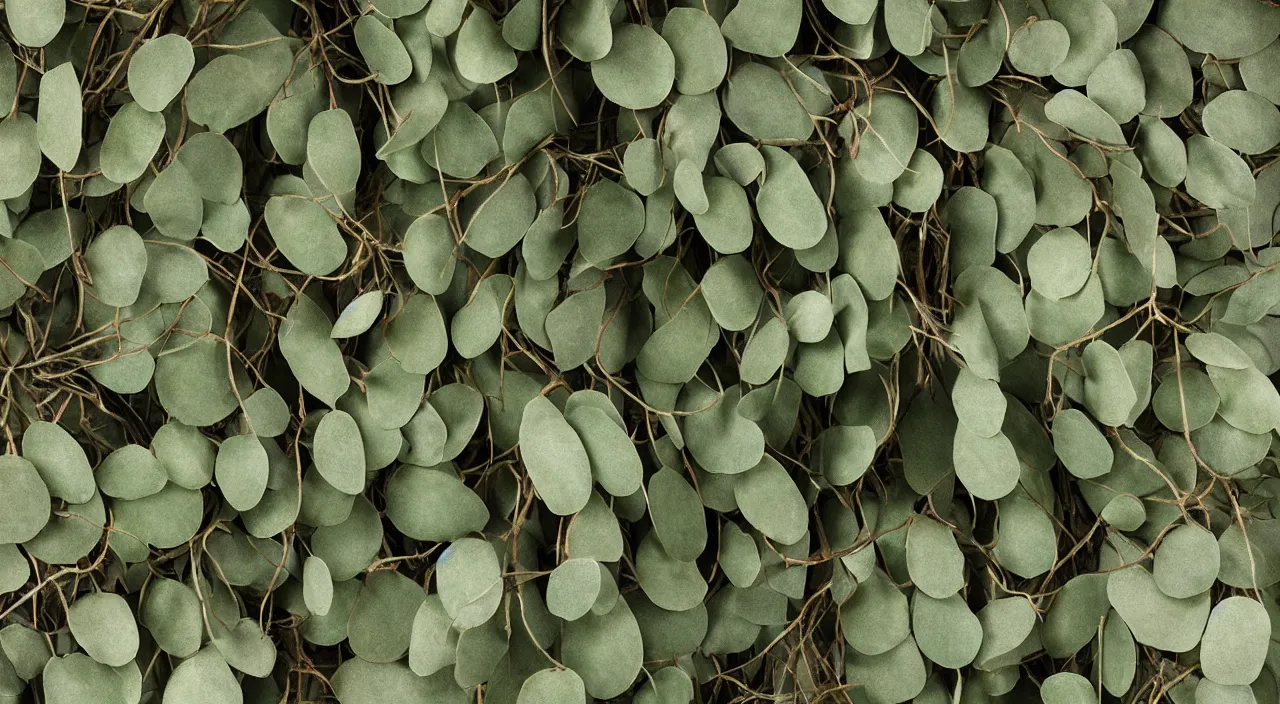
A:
(19, 149)
(741, 162)
(639, 69)
(611, 219)
(553, 686)
(1186, 400)
(461, 144)
(573, 587)
(672, 584)
(333, 151)
(132, 138)
(918, 188)
(241, 471)
(772, 503)
(381, 622)
(166, 519)
(205, 678)
(1228, 30)
(946, 631)
(789, 208)
(726, 223)
(739, 557)
(1243, 121)
(555, 458)
(1059, 263)
(605, 650)
(888, 140)
(317, 586)
(585, 29)
(844, 453)
(761, 103)
(171, 612)
(214, 165)
(972, 216)
(1067, 688)
(1076, 112)
(499, 216)
(1083, 449)
(117, 261)
(809, 316)
(1061, 321)
(907, 22)
(187, 455)
(868, 252)
(1027, 542)
(594, 532)
(175, 272)
(763, 27)
(1217, 350)
(382, 50)
(1217, 176)
(131, 472)
(311, 353)
(432, 504)
(15, 571)
(174, 204)
(1186, 562)
(698, 48)
(346, 544)
(1235, 642)
(59, 116)
(481, 56)
(429, 253)
(60, 461)
(1163, 154)
(470, 582)
(24, 505)
(876, 618)
(105, 627)
(360, 682)
(1006, 623)
(1156, 619)
(76, 678)
(988, 467)
(1256, 76)
(305, 234)
(1040, 47)
(267, 412)
(733, 292)
(895, 676)
(677, 515)
(961, 114)
(433, 642)
(1108, 390)
(338, 452)
(934, 560)
(34, 23)
(979, 403)
(159, 69)
(1091, 26)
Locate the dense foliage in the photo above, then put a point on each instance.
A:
(551, 351)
